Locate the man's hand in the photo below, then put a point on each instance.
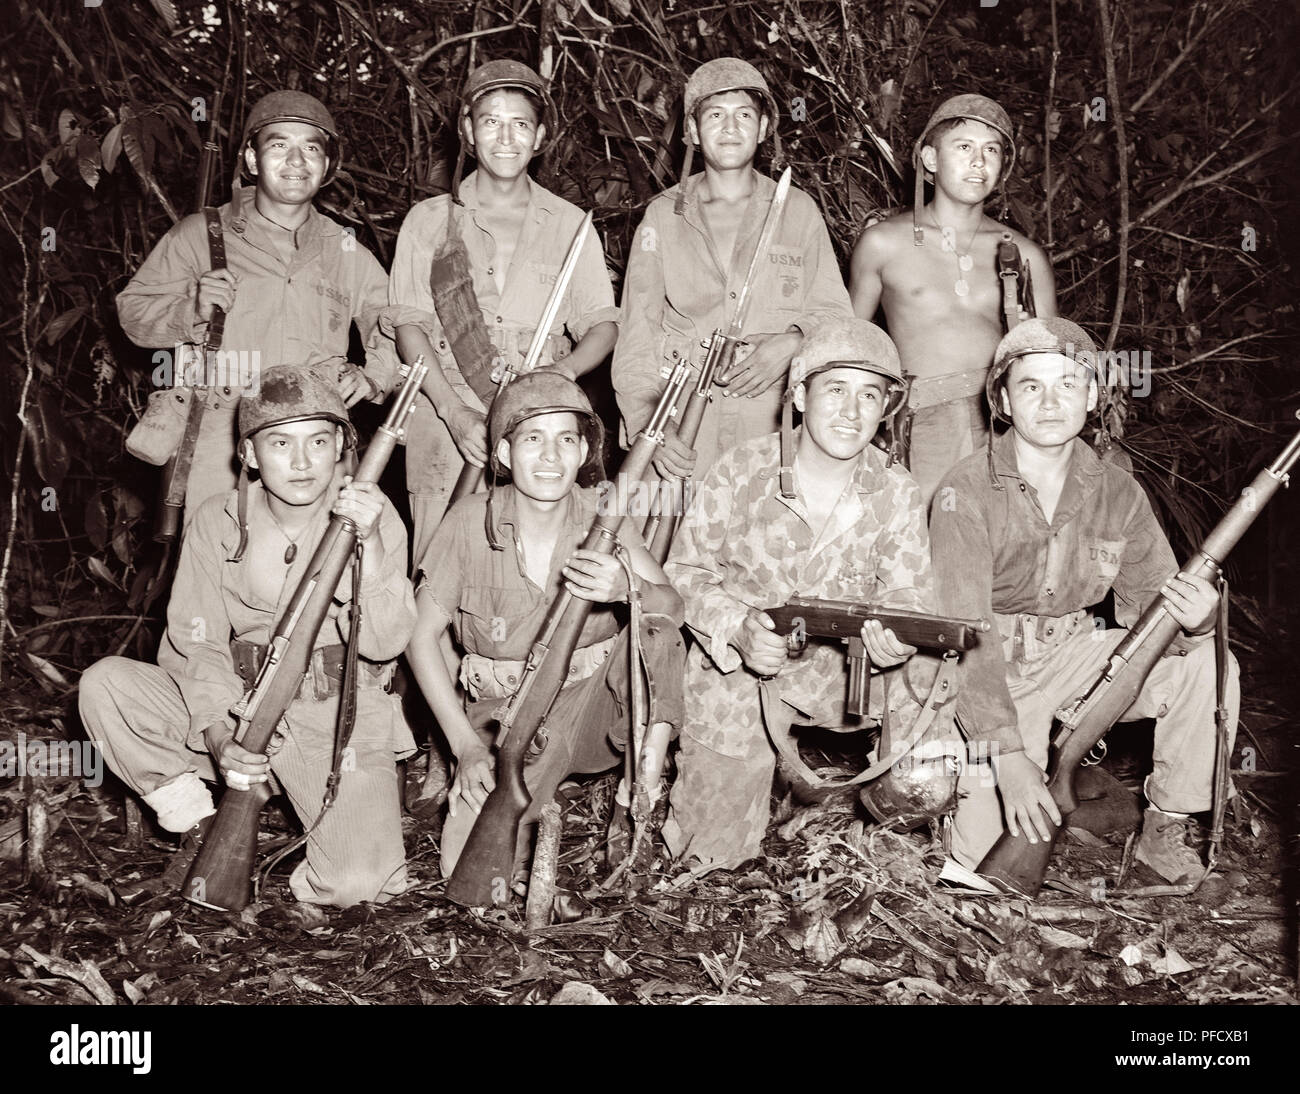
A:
(1023, 786)
(675, 459)
(361, 503)
(1193, 601)
(591, 575)
(468, 428)
(760, 361)
(355, 385)
(475, 779)
(216, 289)
(239, 767)
(884, 649)
(762, 650)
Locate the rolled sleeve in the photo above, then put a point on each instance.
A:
(410, 296)
(591, 294)
(441, 572)
(157, 307)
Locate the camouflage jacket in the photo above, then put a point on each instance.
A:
(742, 545)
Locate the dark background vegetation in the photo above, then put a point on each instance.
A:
(1150, 240)
(1157, 153)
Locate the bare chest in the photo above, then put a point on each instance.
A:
(723, 221)
(505, 226)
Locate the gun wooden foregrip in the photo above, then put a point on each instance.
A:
(844, 619)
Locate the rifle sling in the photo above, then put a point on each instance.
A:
(180, 471)
(348, 699)
(778, 729)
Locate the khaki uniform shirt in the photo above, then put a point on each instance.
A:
(997, 557)
(742, 545)
(298, 293)
(495, 608)
(676, 293)
(511, 316)
(215, 600)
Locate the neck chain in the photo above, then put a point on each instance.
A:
(290, 552)
(964, 261)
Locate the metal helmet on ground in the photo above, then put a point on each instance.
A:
(726, 74)
(293, 106)
(291, 394)
(969, 107)
(514, 76)
(1055, 335)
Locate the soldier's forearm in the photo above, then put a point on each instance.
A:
(412, 342)
(592, 348)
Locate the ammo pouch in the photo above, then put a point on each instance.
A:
(158, 433)
(324, 676)
(493, 678)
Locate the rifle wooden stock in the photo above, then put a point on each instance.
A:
(221, 876)
(483, 871)
(1015, 864)
(472, 478)
(662, 525)
(176, 472)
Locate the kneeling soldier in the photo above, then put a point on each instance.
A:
(817, 514)
(165, 728)
(493, 568)
(1034, 533)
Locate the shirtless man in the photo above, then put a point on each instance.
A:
(934, 273)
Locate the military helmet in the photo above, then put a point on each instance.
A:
(726, 74)
(293, 106)
(542, 391)
(847, 343)
(1055, 335)
(972, 107)
(293, 394)
(516, 76)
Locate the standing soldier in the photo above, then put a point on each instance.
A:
(166, 728)
(293, 282)
(934, 272)
(688, 263)
(513, 235)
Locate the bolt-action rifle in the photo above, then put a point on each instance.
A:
(661, 526)
(1015, 864)
(221, 876)
(1017, 288)
(483, 871)
(176, 472)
